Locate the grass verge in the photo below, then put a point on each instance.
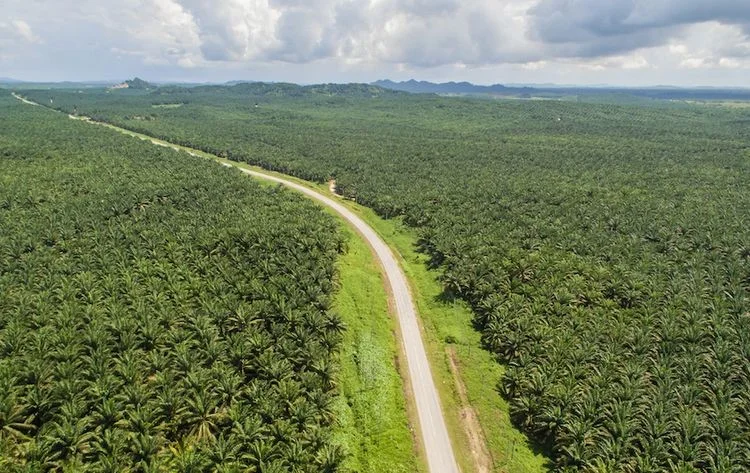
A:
(371, 411)
(448, 325)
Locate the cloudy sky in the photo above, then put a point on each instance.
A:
(624, 42)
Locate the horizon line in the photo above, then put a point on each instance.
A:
(535, 85)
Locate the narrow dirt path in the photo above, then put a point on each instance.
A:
(470, 420)
(436, 442)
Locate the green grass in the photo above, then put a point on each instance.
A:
(371, 412)
(479, 372)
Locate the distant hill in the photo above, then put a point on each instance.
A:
(282, 89)
(554, 91)
(364, 90)
(8, 80)
(238, 82)
(139, 83)
(135, 84)
(423, 87)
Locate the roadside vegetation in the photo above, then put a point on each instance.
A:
(456, 357)
(603, 248)
(371, 412)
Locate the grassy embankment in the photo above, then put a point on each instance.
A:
(371, 411)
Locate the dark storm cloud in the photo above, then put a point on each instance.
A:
(591, 28)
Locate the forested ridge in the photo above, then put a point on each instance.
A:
(157, 312)
(604, 248)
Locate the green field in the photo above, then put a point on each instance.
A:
(602, 247)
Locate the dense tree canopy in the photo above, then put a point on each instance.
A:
(157, 312)
(604, 247)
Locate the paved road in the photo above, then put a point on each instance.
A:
(23, 99)
(437, 445)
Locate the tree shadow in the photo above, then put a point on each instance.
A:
(435, 258)
(539, 446)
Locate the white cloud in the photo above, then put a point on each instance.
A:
(713, 45)
(400, 36)
(24, 31)
(636, 61)
(233, 30)
(161, 31)
(693, 63)
(730, 63)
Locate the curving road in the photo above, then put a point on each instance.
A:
(436, 442)
(437, 445)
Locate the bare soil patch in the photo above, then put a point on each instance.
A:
(473, 429)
